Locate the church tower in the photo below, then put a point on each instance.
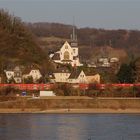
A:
(74, 41)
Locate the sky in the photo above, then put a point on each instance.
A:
(107, 14)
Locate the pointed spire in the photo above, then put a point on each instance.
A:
(74, 42)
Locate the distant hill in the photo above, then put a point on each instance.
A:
(89, 38)
(17, 44)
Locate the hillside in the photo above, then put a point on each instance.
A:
(126, 41)
(86, 52)
(17, 44)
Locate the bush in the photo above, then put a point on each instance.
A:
(65, 90)
(8, 91)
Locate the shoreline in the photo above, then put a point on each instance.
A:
(70, 111)
(72, 105)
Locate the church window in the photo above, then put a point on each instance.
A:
(66, 55)
(66, 47)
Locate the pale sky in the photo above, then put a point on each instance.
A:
(108, 14)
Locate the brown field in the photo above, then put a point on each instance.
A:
(71, 105)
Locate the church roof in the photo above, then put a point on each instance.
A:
(56, 56)
(66, 60)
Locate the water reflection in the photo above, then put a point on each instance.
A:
(69, 127)
(14, 126)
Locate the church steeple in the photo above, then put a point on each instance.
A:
(74, 41)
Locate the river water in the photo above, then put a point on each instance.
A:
(69, 127)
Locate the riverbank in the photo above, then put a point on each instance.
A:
(70, 104)
(71, 111)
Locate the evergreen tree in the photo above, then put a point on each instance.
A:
(28, 80)
(126, 74)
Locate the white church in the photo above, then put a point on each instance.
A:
(68, 53)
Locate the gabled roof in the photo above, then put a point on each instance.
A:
(74, 74)
(56, 56)
(67, 43)
(62, 70)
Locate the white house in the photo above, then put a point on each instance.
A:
(93, 78)
(67, 55)
(91, 65)
(61, 75)
(82, 77)
(16, 74)
(77, 77)
(103, 62)
(114, 60)
(9, 74)
(35, 74)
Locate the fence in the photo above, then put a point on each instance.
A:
(51, 86)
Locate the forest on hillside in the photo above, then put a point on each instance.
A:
(88, 36)
(91, 38)
(18, 45)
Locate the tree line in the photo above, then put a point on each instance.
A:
(18, 45)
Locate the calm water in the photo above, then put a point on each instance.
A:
(69, 127)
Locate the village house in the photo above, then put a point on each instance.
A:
(114, 60)
(103, 62)
(61, 75)
(14, 75)
(82, 77)
(34, 73)
(93, 78)
(107, 62)
(77, 77)
(91, 65)
(17, 75)
(9, 75)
